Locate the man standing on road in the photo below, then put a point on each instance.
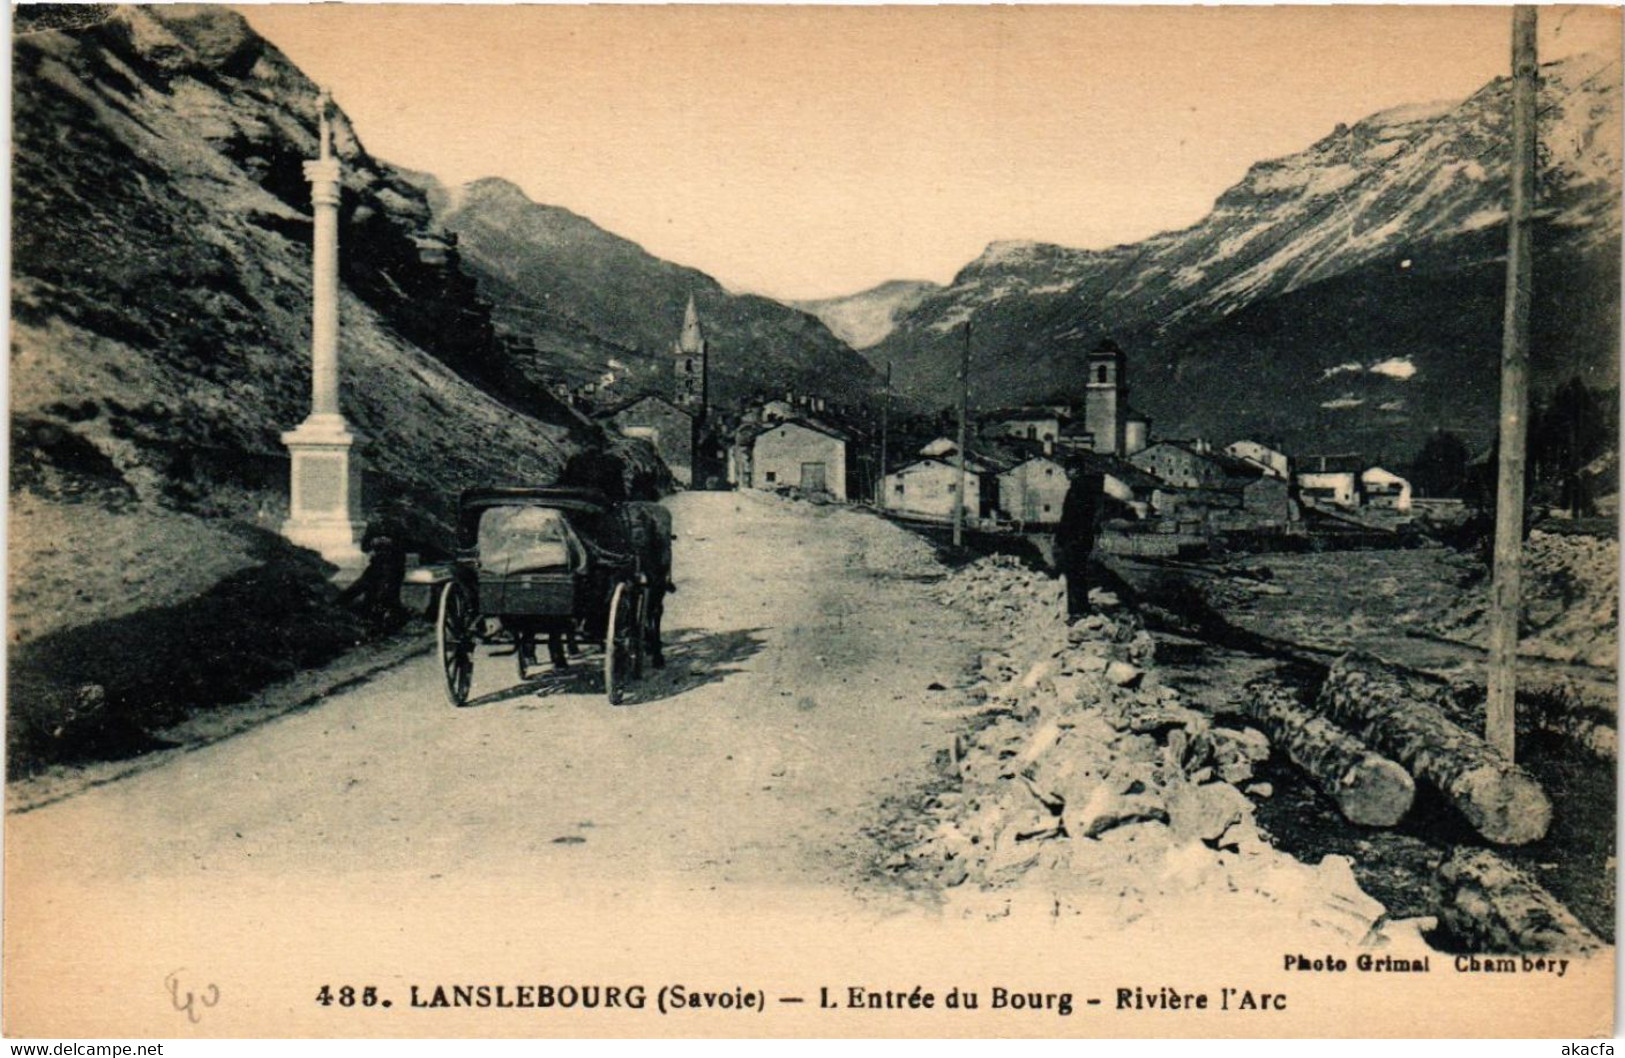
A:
(1075, 537)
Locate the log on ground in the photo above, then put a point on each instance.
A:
(1369, 789)
(1399, 719)
(1492, 906)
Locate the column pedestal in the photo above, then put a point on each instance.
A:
(324, 509)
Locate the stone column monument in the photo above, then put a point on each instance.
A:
(325, 501)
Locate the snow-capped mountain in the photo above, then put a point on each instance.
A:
(865, 318)
(1346, 295)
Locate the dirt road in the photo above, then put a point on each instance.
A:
(801, 645)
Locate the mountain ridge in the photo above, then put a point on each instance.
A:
(584, 296)
(1408, 195)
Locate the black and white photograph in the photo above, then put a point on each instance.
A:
(812, 521)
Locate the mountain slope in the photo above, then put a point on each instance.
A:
(161, 245)
(1344, 296)
(161, 273)
(584, 296)
(865, 318)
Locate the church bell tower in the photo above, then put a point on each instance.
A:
(690, 367)
(1105, 405)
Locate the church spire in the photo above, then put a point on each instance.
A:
(691, 371)
(693, 338)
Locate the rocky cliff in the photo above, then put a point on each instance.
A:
(161, 244)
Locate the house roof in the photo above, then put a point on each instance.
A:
(751, 433)
(1255, 444)
(1029, 411)
(972, 465)
(615, 409)
(1236, 467)
(1116, 466)
(1346, 463)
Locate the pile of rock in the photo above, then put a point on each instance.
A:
(1570, 601)
(1007, 594)
(1087, 784)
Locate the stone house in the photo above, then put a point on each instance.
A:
(1042, 424)
(1385, 489)
(1031, 492)
(667, 427)
(800, 453)
(1330, 479)
(1271, 461)
(1182, 466)
(929, 488)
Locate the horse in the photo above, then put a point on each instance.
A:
(649, 531)
(639, 530)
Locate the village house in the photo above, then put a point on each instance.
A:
(801, 453)
(664, 425)
(1330, 479)
(1221, 491)
(1032, 491)
(929, 486)
(1271, 461)
(1386, 490)
(1041, 424)
(1076, 437)
(1183, 465)
(1267, 500)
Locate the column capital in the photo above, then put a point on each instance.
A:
(322, 173)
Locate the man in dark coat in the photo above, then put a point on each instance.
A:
(1075, 537)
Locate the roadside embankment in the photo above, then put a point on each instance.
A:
(1086, 788)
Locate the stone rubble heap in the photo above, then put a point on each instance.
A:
(1086, 783)
(1570, 601)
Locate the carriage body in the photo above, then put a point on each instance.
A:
(544, 558)
(535, 562)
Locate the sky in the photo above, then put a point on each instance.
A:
(805, 152)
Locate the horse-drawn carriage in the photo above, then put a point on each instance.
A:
(561, 563)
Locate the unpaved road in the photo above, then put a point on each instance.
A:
(795, 701)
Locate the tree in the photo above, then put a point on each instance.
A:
(1440, 468)
(1568, 432)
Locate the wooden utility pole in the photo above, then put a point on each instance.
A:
(885, 430)
(964, 408)
(1500, 727)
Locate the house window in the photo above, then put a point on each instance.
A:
(1049, 472)
(953, 486)
(1048, 436)
(898, 488)
(1032, 432)
(771, 476)
(1046, 508)
(1100, 373)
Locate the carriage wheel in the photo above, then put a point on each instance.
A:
(455, 634)
(621, 642)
